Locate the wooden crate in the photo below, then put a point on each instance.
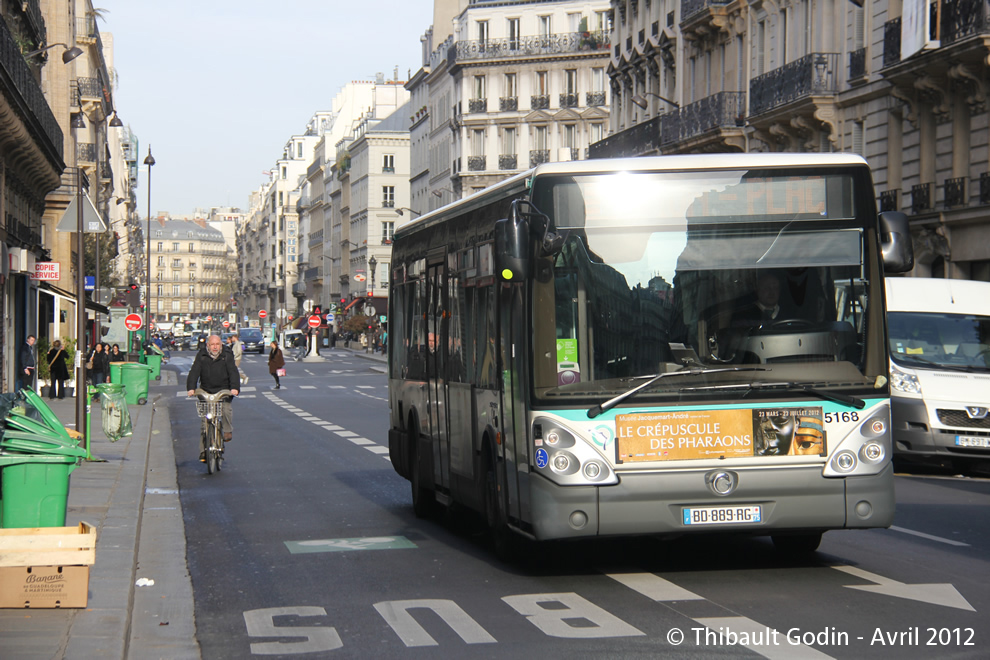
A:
(48, 546)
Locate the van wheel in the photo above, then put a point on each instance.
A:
(797, 544)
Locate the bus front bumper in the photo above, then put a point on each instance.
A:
(653, 503)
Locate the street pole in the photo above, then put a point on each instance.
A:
(80, 313)
(149, 161)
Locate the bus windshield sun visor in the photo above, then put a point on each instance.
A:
(595, 411)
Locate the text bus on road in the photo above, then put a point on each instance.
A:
(578, 351)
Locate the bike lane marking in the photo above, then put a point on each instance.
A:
(339, 431)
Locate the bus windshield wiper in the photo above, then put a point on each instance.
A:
(844, 399)
(595, 411)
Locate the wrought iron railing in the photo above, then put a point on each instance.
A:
(552, 44)
(815, 73)
(857, 63)
(594, 99)
(892, 42)
(86, 152)
(19, 74)
(634, 141)
(955, 192)
(539, 102)
(725, 109)
(537, 156)
(888, 200)
(388, 203)
(962, 18)
(691, 7)
(575, 153)
(921, 197)
(508, 103)
(477, 163)
(478, 105)
(568, 100)
(507, 162)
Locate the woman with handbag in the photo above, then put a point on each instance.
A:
(99, 365)
(276, 363)
(57, 370)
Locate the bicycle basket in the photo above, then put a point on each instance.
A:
(209, 408)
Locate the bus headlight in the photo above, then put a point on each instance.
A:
(905, 382)
(872, 452)
(844, 461)
(566, 457)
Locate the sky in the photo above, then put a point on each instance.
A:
(217, 87)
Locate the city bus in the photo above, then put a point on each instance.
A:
(575, 352)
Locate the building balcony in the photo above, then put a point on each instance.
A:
(508, 104)
(955, 192)
(86, 152)
(639, 140)
(477, 105)
(715, 123)
(701, 17)
(922, 197)
(888, 200)
(537, 156)
(507, 162)
(815, 74)
(594, 99)
(524, 47)
(857, 64)
(539, 102)
(477, 163)
(569, 100)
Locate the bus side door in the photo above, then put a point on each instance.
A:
(436, 360)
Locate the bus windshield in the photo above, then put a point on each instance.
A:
(669, 271)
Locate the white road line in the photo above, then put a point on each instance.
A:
(767, 642)
(366, 387)
(307, 387)
(247, 396)
(346, 434)
(361, 441)
(654, 587)
(309, 372)
(337, 387)
(249, 389)
(376, 449)
(332, 427)
(928, 536)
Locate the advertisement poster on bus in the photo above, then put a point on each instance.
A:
(700, 434)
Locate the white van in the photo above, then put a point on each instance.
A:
(939, 337)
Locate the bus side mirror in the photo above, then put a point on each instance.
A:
(512, 247)
(895, 242)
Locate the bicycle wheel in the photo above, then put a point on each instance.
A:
(211, 449)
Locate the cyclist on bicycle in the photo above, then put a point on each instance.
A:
(214, 370)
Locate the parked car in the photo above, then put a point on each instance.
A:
(252, 340)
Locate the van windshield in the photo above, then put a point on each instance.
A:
(921, 340)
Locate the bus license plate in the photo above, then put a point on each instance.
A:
(722, 515)
(968, 441)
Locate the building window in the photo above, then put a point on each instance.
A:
(546, 26)
(513, 29)
(602, 24)
(482, 31)
(299, 148)
(283, 176)
(597, 132)
(388, 228)
(175, 289)
(176, 263)
(478, 142)
(161, 247)
(192, 289)
(508, 141)
(542, 83)
(161, 261)
(192, 247)
(541, 138)
(598, 79)
(175, 247)
(573, 22)
(159, 290)
(480, 88)
(388, 163)
(280, 198)
(510, 85)
(388, 197)
(175, 306)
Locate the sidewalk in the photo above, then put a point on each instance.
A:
(131, 497)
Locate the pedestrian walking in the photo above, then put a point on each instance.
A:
(276, 363)
(238, 350)
(28, 364)
(100, 359)
(58, 371)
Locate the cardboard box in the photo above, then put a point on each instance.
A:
(48, 546)
(45, 567)
(44, 586)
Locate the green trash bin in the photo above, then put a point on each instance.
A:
(115, 372)
(154, 361)
(35, 490)
(134, 378)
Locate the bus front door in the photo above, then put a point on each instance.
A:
(436, 360)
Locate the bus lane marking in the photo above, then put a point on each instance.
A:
(935, 594)
(930, 537)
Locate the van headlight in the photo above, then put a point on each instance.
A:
(904, 381)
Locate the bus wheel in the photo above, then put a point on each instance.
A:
(797, 544)
(423, 499)
(503, 539)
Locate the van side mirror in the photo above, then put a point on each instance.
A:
(895, 242)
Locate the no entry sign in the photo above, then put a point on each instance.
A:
(262, 314)
(314, 321)
(132, 322)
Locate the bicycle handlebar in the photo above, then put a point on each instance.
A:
(203, 395)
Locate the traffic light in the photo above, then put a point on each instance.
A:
(133, 295)
(318, 310)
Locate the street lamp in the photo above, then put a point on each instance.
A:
(642, 102)
(149, 161)
(406, 208)
(372, 263)
(67, 56)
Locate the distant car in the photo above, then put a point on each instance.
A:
(252, 339)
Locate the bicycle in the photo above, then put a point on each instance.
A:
(210, 406)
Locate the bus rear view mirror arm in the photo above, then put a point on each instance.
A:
(895, 242)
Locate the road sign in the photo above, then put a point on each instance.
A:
(132, 322)
(226, 324)
(330, 317)
(209, 319)
(281, 313)
(359, 278)
(262, 314)
(314, 321)
(369, 310)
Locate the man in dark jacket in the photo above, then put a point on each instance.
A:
(28, 365)
(214, 370)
